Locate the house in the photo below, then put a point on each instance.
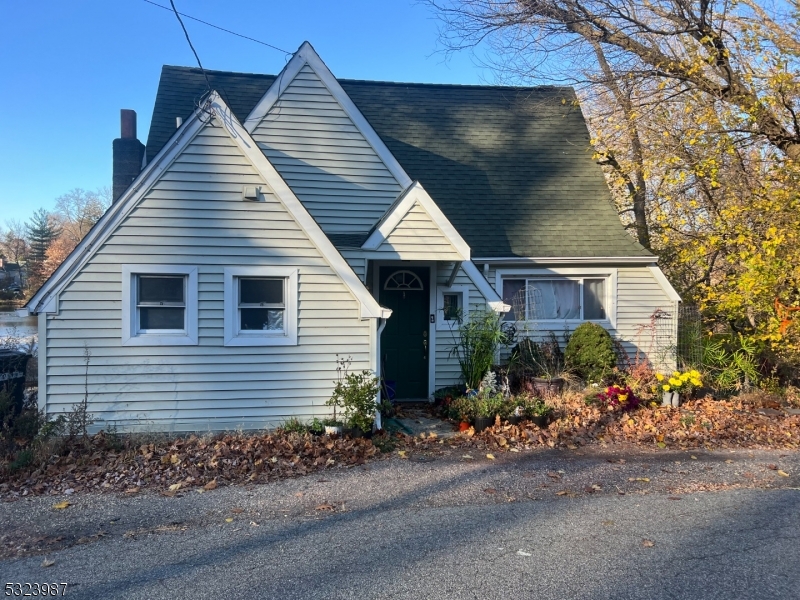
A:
(278, 222)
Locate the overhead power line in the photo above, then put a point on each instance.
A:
(186, 33)
(215, 27)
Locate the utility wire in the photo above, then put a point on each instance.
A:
(186, 33)
(216, 27)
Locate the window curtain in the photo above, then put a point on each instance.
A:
(553, 299)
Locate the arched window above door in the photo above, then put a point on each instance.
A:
(403, 280)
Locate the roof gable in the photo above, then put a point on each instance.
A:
(511, 168)
(214, 111)
(323, 147)
(414, 224)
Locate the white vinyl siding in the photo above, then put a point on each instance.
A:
(417, 237)
(195, 216)
(324, 158)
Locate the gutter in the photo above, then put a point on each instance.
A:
(568, 260)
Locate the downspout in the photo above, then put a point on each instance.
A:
(378, 373)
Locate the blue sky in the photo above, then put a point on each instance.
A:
(68, 66)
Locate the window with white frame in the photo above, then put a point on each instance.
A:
(452, 305)
(260, 306)
(159, 305)
(558, 297)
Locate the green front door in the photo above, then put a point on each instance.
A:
(404, 341)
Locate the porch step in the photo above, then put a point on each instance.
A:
(416, 421)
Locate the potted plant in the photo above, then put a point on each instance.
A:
(333, 426)
(462, 410)
(514, 410)
(487, 407)
(355, 395)
(539, 412)
(678, 384)
(316, 427)
(544, 361)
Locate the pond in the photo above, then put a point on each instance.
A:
(17, 331)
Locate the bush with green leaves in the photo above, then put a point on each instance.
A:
(590, 352)
(731, 362)
(355, 395)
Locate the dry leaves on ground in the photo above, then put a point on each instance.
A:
(179, 464)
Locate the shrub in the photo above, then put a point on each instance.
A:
(590, 352)
(355, 394)
(539, 359)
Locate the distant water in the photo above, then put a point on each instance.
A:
(16, 331)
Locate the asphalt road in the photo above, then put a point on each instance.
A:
(450, 528)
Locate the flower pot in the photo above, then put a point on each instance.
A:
(353, 432)
(548, 387)
(482, 423)
(541, 421)
(514, 420)
(671, 399)
(333, 429)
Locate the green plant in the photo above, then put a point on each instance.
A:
(478, 340)
(487, 406)
(293, 425)
(355, 395)
(461, 409)
(537, 408)
(385, 442)
(316, 426)
(590, 352)
(731, 362)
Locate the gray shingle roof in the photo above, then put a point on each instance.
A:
(510, 167)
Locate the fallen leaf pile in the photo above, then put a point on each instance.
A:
(705, 423)
(182, 463)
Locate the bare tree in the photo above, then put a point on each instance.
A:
(78, 210)
(686, 45)
(12, 240)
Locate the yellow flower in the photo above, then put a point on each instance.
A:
(676, 373)
(674, 381)
(695, 373)
(666, 388)
(659, 376)
(696, 382)
(623, 397)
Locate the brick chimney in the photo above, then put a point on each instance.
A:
(128, 152)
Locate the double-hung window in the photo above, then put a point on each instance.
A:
(558, 297)
(260, 306)
(159, 305)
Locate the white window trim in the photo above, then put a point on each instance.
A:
(130, 335)
(570, 273)
(230, 295)
(441, 290)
